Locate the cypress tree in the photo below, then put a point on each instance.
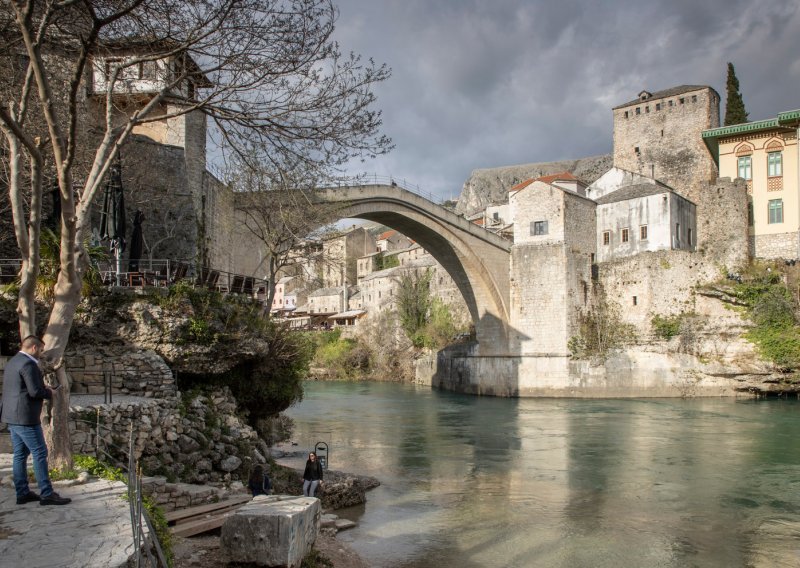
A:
(734, 105)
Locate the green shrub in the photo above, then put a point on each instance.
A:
(601, 330)
(666, 327)
(96, 467)
(343, 358)
(161, 527)
(772, 308)
(199, 331)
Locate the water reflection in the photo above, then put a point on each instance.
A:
(473, 481)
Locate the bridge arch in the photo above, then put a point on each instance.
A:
(476, 259)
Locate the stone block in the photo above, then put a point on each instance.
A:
(272, 531)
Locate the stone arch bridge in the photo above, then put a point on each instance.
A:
(476, 259)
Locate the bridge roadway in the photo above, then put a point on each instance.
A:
(476, 259)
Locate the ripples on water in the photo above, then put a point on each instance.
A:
(472, 481)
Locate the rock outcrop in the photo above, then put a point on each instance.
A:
(490, 185)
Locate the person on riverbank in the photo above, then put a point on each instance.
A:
(312, 476)
(259, 483)
(24, 392)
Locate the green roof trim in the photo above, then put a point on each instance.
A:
(711, 137)
(740, 128)
(789, 116)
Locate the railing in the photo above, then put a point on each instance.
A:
(9, 270)
(147, 548)
(165, 272)
(375, 179)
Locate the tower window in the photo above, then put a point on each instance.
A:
(606, 237)
(538, 228)
(625, 235)
(643, 232)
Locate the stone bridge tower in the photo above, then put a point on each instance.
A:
(659, 135)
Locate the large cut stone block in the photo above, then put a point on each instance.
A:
(276, 530)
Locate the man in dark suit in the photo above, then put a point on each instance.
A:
(24, 393)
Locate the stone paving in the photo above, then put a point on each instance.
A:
(94, 531)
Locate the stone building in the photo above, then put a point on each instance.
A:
(327, 301)
(551, 266)
(341, 254)
(658, 134)
(644, 217)
(164, 170)
(368, 264)
(391, 240)
(766, 155)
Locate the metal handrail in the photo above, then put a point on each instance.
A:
(364, 180)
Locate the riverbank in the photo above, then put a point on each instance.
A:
(204, 551)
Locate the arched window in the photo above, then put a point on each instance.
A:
(774, 159)
(744, 158)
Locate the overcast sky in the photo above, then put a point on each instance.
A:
(487, 83)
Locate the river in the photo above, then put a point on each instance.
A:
(490, 482)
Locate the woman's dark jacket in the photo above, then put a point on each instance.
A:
(313, 471)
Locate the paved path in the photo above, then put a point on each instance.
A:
(94, 531)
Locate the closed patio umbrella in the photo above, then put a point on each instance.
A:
(112, 218)
(55, 213)
(137, 243)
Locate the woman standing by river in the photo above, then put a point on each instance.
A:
(312, 476)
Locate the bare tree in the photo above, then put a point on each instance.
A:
(275, 209)
(91, 71)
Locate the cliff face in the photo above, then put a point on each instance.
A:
(490, 186)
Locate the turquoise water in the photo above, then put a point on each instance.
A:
(484, 482)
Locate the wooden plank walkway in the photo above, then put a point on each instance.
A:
(203, 518)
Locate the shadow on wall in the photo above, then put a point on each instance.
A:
(462, 368)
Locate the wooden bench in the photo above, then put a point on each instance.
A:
(203, 518)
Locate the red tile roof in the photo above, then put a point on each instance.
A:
(522, 184)
(478, 221)
(563, 176)
(386, 235)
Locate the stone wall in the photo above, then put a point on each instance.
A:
(722, 223)
(199, 440)
(782, 245)
(651, 283)
(226, 240)
(132, 371)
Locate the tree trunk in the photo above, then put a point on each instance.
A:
(56, 425)
(68, 295)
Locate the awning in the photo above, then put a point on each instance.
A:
(348, 314)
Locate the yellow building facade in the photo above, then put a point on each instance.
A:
(765, 154)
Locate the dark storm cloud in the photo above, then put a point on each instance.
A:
(481, 84)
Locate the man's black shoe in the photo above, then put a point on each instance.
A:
(54, 499)
(29, 497)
